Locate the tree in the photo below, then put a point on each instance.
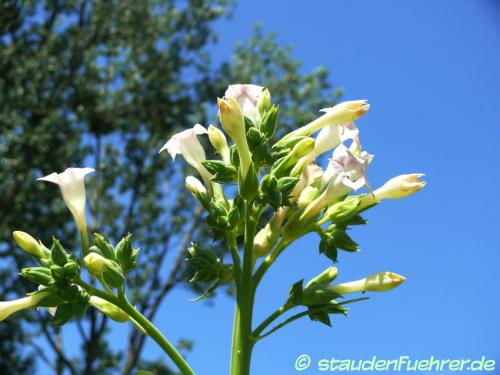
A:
(105, 83)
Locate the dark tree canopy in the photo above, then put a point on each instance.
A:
(104, 84)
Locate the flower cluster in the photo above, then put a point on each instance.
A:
(285, 175)
(263, 193)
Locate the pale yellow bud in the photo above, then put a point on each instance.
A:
(264, 102)
(233, 123)
(379, 282)
(307, 196)
(95, 264)
(196, 187)
(218, 140)
(28, 244)
(400, 187)
(108, 309)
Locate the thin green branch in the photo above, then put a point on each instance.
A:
(142, 321)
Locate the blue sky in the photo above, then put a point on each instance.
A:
(431, 72)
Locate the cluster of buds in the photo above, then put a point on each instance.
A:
(284, 180)
(58, 275)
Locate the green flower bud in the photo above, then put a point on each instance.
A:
(343, 211)
(71, 268)
(95, 264)
(57, 253)
(113, 274)
(105, 247)
(307, 196)
(124, 250)
(325, 277)
(108, 309)
(218, 140)
(304, 147)
(38, 275)
(57, 272)
(264, 102)
(29, 244)
(233, 123)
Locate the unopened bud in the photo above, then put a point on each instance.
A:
(29, 244)
(264, 102)
(379, 282)
(325, 277)
(218, 140)
(196, 187)
(95, 264)
(307, 196)
(108, 309)
(343, 211)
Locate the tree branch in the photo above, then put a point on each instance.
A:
(54, 346)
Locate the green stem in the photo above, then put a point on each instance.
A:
(271, 318)
(149, 327)
(242, 340)
(268, 261)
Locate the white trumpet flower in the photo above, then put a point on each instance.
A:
(187, 144)
(345, 173)
(72, 185)
(8, 308)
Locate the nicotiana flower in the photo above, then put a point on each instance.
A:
(247, 96)
(187, 144)
(349, 166)
(331, 136)
(8, 308)
(327, 139)
(345, 173)
(72, 185)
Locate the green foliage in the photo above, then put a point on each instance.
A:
(104, 84)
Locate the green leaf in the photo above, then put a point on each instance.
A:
(113, 274)
(327, 247)
(57, 253)
(295, 292)
(105, 247)
(63, 315)
(320, 316)
(270, 121)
